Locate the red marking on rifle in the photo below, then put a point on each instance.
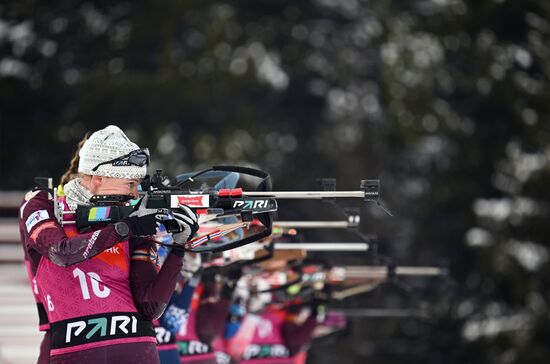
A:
(224, 192)
(310, 269)
(236, 192)
(191, 201)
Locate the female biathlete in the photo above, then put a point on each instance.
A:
(101, 288)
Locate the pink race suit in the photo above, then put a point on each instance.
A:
(100, 291)
(199, 341)
(270, 338)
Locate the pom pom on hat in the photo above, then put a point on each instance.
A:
(104, 145)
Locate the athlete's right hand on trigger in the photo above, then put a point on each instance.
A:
(188, 224)
(144, 221)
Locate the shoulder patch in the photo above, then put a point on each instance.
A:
(35, 218)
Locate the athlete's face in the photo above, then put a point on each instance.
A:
(115, 186)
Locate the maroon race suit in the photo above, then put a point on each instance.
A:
(270, 338)
(100, 290)
(196, 340)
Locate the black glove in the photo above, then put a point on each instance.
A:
(188, 227)
(187, 221)
(143, 221)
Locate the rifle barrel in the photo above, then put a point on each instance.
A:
(343, 224)
(384, 312)
(353, 291)
(307, 194)
(329, 246)
(382, 272)
(419, 271)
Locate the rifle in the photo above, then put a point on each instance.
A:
(336, 320)
(340, 246)
(353, 218)
(209, 204)
(385, 312)
(354, 280)
(352, 274)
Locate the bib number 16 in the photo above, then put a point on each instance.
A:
(94, 279)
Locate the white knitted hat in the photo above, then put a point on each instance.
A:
(105, 145)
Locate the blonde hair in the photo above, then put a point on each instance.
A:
(72, 172)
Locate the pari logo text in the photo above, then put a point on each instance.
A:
(192, 347)
(102, 327)
(255, 351)
(251, 204)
